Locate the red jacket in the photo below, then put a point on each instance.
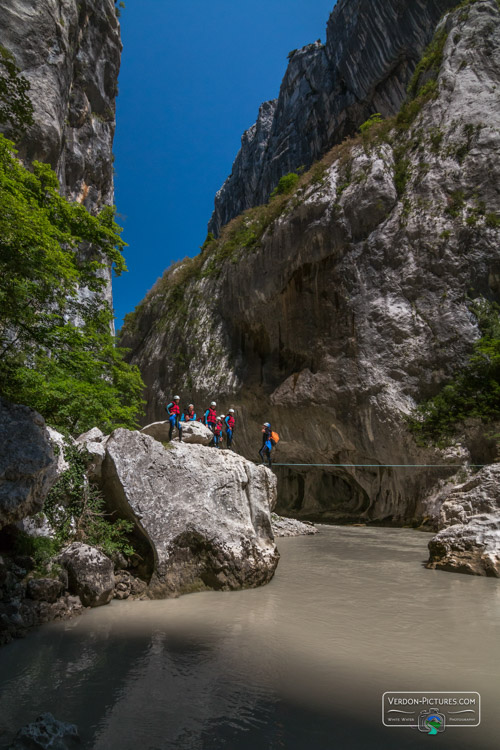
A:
(173, 408)
(211, 416)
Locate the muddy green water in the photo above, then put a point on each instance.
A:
(300, 664)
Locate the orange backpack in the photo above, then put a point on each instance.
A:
(275, 437)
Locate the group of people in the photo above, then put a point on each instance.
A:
(217, 425)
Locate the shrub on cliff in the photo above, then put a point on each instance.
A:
(286, 185)
(57, 352)
(472, 393)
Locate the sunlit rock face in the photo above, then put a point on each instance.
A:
(70, 54)
(353, 305)
(469, 523)
(205, 513)
(371, 50)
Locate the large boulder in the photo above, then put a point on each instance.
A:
(283, 527)
(159, 431)
(90, 573)
(27, 465)
(469, 522)
(205, 513)
(94, 442)
(194, 433)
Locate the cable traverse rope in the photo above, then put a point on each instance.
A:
(392, 466)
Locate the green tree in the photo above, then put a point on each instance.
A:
(16, 109)
(57, 352)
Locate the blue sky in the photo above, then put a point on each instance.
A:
(192, 79)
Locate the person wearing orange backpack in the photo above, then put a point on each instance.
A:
(269, 440)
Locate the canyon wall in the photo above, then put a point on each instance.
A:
(371, 50)
(70, 53)
(353, 304)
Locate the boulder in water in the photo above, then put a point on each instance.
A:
(469, 519)
(46, 733)
(205, 513)
(283, 527)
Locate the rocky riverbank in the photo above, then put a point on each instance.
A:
(198, 519)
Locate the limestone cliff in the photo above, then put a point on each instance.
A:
(70, 54)
(371, 50)
(333, 310)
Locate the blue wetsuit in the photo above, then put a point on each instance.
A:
(229, 430)
(267, 446)
(173, 412)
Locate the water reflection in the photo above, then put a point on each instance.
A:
(299, 664)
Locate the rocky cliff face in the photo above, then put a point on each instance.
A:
(333, 312)
(328, 91)
(70, 54)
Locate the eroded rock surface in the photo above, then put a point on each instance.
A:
(283, 527)
(205, 513)
(27, 465)
(193, 433)
(328, 91)
(90, 573)
(469, 521)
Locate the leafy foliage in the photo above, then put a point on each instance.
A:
(286, 185)
(57, 352)
(472, 393)
(372, 120)
(16, 109)
(76, 509)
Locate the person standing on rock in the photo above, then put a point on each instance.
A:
(267, 443)
(189, 414)
(218, 432)
(210, 417)
(229, 422)
(174, 413)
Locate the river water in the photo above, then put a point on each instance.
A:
(300, 664)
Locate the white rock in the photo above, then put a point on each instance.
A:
(95, 435)
(90, 573)
(469, 518)
(195, 433)
(283, 527)
(205, 513)
(58, 443)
